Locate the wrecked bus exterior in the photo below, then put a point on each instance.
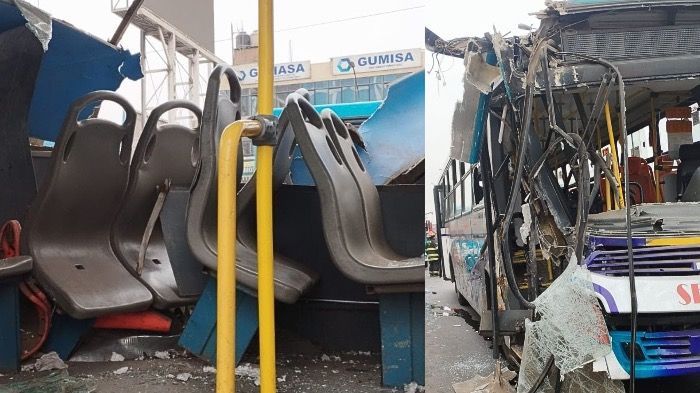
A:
(585, 127)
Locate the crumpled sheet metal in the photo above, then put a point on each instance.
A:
(38, 22)
(572, 329)
(479, 73)
(101, 348)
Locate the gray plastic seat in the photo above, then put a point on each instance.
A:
(70, 220)
(15, 266)
(164, 153)
(368, 191)
(291, 279)
(342, 207)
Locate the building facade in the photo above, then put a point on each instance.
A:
(343, 79)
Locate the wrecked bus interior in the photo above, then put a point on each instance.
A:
(112, 247)
(569, 207)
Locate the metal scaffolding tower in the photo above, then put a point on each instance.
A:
(174, 65)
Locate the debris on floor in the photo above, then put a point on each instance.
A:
(49, 361)
(57, 381)
(489, 383)
(116, 357)
(121, 370)
(249, 371)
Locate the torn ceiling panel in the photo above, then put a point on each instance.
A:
(470, 114)
(38, 22)
(74, 64)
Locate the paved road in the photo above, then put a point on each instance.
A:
(454, 351)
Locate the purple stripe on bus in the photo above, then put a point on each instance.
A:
(607, 296)
(615, 241)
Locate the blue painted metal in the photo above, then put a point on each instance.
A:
(664, 354)
(75, 63)
(352, 110)
(199, 335)
(394, 134)
(402, 324)
(65, 334)
(481, 116)
(9, 327)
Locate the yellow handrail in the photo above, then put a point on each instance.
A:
(613, 151)
(226, 252)
(654, 144)
(266, 289)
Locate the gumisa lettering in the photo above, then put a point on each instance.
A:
(689, 293)
(386, 59)
(289, 69)
(283, 69)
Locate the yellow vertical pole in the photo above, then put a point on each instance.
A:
(606, 183)
(654, 142)
(226, 253)
(613, 152)
(266, 289)
(226, 268)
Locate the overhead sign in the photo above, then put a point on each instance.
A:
(248, 73)
(379, 61)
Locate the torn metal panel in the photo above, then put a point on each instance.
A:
(564, 7)
(38, 22)
(471, 112)
(479, 72)
(659, 219)
(394, 135)
(547, 186)
(463, 120)
(74, 64)
(514, 80)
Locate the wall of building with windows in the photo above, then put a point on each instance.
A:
(334, 91)
(355, 78)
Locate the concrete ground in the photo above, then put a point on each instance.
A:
(454, 351)
(301, 367)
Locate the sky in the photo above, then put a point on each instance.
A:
(443, 87)
(311, 30)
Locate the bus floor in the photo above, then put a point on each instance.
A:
(454, 351)
(301, 367)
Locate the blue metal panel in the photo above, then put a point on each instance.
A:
(76, 63)
(65, 334)
(9, 327)
(402, 325)
(480, 121)
(199, 335)
(351, 110)
(394, 134)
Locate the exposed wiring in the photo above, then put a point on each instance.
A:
(628, 214)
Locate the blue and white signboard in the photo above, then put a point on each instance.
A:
(248, 73)
(380, 61)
